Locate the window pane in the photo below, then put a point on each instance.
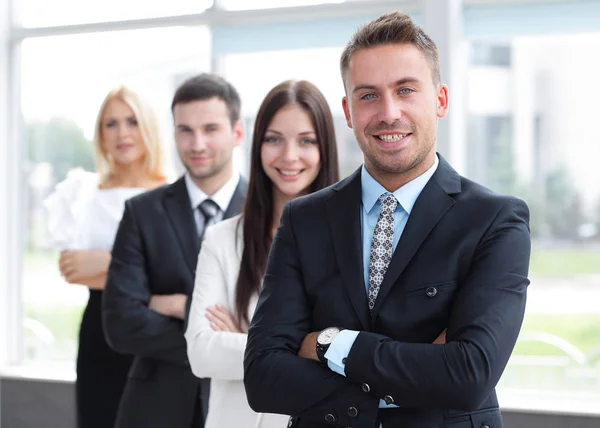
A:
(532, 132)
(42, 13)
(270, 4)
(64, 80)
(255, 74)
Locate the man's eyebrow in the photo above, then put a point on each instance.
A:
(361, 87)
(399, 82)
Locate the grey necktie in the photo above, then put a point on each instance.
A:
(208, 213)
(382, 245)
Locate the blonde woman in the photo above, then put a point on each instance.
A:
(83, 213)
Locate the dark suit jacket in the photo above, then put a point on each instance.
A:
(155, 252)
(461, 264)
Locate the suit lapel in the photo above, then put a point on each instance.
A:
(236, 204)
(431, 205)
(179, 212)
(343, 214)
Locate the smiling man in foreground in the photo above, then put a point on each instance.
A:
(366, 277)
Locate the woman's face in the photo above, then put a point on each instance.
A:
(290, 152)
(121, 137)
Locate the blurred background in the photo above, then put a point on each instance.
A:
(524, 101)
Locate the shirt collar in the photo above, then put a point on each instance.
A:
(222, 196)
(406, 195)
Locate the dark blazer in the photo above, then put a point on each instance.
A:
(155, 252)
(461, 264)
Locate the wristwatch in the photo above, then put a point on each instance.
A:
(324, 339)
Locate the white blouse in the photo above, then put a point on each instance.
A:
(81, 216)
(219, 355)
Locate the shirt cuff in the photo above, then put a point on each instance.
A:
(337, 353)
(339, 350)
(383, 405)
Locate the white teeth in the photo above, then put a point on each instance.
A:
(391, 138)
(289, 173)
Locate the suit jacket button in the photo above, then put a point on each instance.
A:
(388, 399)
(352, 412)
(330, 418)
(431, 291)
(366, 387)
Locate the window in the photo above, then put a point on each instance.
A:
(485, 53)
(532, 132)
(64, 80)
(41, 13)
(268, 4)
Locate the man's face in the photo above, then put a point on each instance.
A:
(205, 137)
(392, 104)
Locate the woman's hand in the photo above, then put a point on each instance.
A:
(76, 266)
(221, 320)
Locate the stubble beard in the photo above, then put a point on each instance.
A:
(208, 173)
(394, 163)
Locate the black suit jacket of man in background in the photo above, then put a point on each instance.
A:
(155, 252)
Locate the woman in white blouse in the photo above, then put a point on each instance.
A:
(293, 153)
(83, 215)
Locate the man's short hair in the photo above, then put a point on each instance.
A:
(206, 86)
(392, 28)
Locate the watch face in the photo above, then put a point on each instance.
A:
(327, 335)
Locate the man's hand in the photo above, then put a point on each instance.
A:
(221, 320)
(308, 349)
(441, 339)
(78, 265)
(170, 305)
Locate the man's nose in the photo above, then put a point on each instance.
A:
(200, 141)
(390, 110)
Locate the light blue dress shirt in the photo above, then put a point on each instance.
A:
(371, 191)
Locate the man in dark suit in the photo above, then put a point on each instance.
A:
(364, 275)
(151, 275)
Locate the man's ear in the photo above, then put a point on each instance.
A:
(238, 132)
(346, 107)
(442, 100)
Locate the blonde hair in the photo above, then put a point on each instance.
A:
(149, 130)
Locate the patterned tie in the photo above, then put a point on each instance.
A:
(381, 247)
(208, 210)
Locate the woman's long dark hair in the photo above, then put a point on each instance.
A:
(258, 210)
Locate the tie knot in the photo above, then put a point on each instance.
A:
(208, 208)
(388, 202)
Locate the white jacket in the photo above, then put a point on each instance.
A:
(219, 355)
